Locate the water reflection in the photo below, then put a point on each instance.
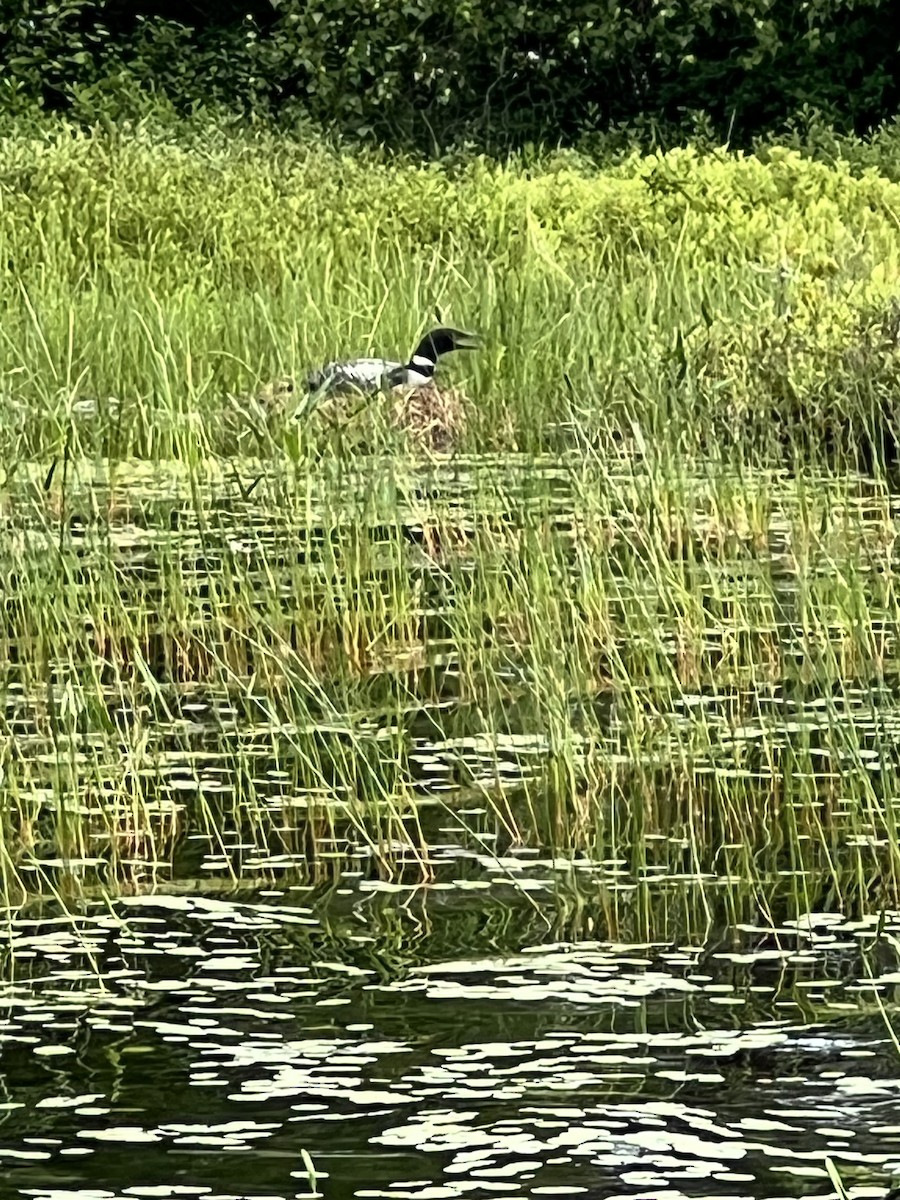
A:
(193, 1045)
(174, 716)
(487, 1020)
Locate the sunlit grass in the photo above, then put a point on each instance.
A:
(643, 611)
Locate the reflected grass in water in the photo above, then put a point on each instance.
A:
(417, 1046)
(693, 673)
(644, 613)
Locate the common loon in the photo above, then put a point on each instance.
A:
(371, 374)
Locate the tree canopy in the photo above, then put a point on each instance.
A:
(439, 71)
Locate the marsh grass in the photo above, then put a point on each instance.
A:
(639, 608)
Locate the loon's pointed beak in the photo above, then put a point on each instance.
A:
(466, 341)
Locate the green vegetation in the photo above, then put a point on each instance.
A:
(434, 73)
(643, 611)
(155, 277)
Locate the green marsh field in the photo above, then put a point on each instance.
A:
(639, 608)
(497, 793)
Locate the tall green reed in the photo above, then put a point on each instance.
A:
(219, 623)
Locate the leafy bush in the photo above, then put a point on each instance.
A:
(683, 291)
(432, 72)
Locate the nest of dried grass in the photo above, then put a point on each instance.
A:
(432, 417)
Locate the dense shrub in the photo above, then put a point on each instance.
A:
(704, 291)
(437, 71)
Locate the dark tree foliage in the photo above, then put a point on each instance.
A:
(435, 71)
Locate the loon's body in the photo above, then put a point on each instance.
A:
(373, 374)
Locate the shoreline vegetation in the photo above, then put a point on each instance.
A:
(641, 607)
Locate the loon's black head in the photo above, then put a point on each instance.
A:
(442, 341)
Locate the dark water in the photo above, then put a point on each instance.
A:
(443, 1041)
(520, 1026)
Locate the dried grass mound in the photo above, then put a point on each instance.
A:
(433, 417)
